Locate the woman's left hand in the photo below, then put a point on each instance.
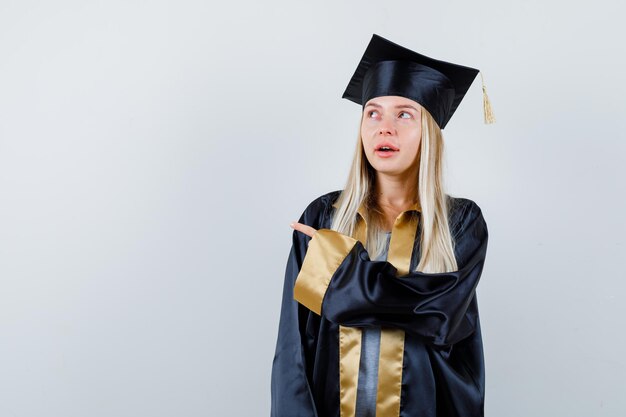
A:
(307, 230)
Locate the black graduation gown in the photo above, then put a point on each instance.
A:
(442, 372)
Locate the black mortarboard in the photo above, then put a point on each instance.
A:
(388, 69)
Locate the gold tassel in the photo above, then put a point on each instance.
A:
(487, 110)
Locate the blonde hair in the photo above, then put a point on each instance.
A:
(436, 243)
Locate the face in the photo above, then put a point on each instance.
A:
(395, 122)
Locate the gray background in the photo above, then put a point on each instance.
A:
(152, 155)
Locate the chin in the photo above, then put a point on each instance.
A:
(390, 170)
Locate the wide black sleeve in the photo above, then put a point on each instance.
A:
(290, 390)
(341, 283)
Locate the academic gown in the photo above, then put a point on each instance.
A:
(431, 355)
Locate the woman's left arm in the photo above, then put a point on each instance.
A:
(339, 282)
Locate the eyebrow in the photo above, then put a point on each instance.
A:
(399, 106)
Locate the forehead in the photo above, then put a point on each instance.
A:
(392, 101)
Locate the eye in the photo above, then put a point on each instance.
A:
(407, 115)
(372, 112)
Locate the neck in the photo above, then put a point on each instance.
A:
(396, 192)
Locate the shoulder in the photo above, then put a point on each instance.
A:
(462, 206)
(319, 208)
(463, 213)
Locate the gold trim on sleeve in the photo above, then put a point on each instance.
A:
(327, 250)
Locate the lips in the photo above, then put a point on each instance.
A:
(385, 150)
(386, 146)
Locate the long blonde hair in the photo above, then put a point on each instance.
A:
(436, 243)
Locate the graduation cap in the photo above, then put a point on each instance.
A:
(388, 69)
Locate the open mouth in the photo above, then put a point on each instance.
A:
(386, 150)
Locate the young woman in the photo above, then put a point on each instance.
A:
(379, 313)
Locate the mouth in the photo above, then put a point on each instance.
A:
(385, 148)
(386, 151)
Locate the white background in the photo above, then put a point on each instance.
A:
(152, 155)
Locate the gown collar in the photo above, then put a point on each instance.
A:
(415, 207)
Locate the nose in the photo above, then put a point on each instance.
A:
(386, 128)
